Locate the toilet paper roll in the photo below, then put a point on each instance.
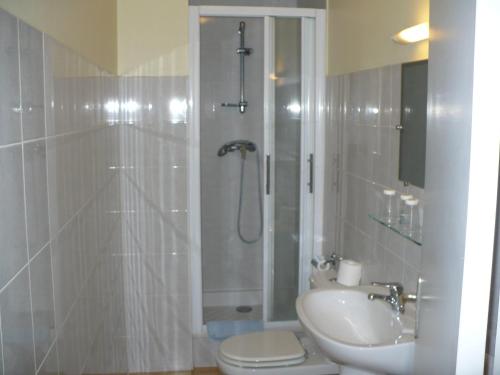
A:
(349, 273)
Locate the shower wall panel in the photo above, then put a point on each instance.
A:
(232, 269)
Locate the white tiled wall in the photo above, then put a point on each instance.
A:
(362, 152)
(83, 202)
(155, 252)
(94, 273)
(57, 193)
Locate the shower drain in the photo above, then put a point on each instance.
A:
(244, 309)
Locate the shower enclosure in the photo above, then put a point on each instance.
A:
(256, 159)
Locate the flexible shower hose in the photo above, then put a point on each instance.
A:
(242, 178)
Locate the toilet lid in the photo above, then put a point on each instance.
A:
(267, 346)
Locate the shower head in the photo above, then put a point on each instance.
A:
(239, 145)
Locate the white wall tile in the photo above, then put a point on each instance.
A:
(368, 145)
(42, 302)
(10, 118)
(12, 222)
(35, 177)
(17, 328)
(32, 96)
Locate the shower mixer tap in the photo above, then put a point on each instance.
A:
(241, 145)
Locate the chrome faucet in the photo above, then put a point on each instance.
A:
(396, 298)
(334, 260)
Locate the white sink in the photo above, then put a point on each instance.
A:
(363, 336)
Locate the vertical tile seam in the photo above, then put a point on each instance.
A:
(1, 344)
(24, 191)
(44, 73)
(340, 178)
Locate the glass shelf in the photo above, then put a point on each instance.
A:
(396, 229)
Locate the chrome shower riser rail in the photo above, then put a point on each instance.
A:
(242, 52)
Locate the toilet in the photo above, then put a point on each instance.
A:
(272, 353)
(277, 352)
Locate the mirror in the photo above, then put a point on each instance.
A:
(413, 124)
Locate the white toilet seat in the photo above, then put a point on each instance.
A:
(260, 364)
(263, 349)
(264, 362)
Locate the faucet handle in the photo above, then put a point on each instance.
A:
(334, 258)
(394, 287)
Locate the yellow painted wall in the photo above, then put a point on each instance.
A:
(87, 26)
(153, 37)
(150, 37)
(359, 33)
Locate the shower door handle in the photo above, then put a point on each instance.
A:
(268, 174)
(311, 173)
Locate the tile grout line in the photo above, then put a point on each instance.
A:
(7, 284)
(1, 343)
(2, 147)
(340, 187)
(46, 356)
(56, 333)
(24, 194)
(39, 251)
(56, 136)
(121, 142)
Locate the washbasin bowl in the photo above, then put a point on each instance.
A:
(363, 336)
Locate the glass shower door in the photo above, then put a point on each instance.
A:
(289, 165)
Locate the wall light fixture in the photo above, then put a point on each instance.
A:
(413, 34)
